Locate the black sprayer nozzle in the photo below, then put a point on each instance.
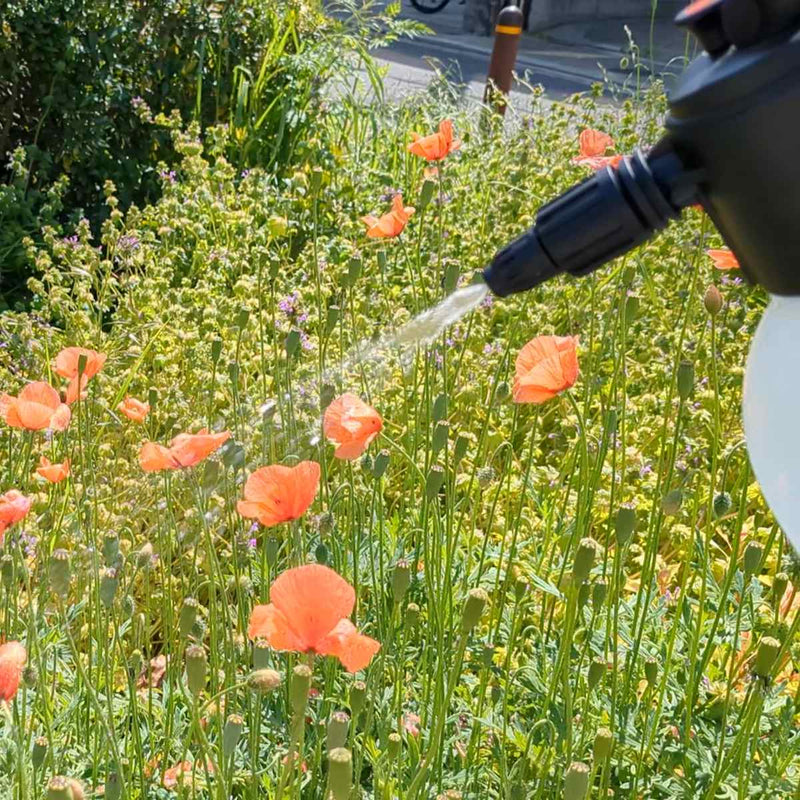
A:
(605, 216)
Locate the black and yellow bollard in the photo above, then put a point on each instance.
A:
(504, 55)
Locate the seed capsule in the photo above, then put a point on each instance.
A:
(576, 781)
(584, 559)
(603, 742)
(231, 733)
(264, 681)
(685, 379)
(358, 697)
(753, 554)
(338, 725)
(712, 300)
(299, 688)
(401, 579)
(597, 668)
(624, 525)
(340, 774)
(475, 605)
(196, 668)
(60, 573)
(187, 616)
(768, 649)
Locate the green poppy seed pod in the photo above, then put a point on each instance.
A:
(475, 605)
(441, 433)
(521, 587)
(461, 447)
(110, 549)
(144, 558)
(434, 482)
(451, 275)
(380, 464)
(187, 616)
(685, 379)
(113, 788)
(354, 270)
(753, 554)
(337, 730)
(340, 774)
(108, 586)
(603, 742)
(576, 781)
(315, 182)
(358, 697)
(196, 668)
(624, 525)
(597, 668)
(412, 615)
(599, 593)
(292, 342)
(264, 681)
(487, 654)
(485, 476)
(299, 688)
(632, 305)
(332, 319)
(426, 193)
(712, 300)
(7, 570)
(722, 504)
(39, 751)
(59, 788)
(273, 546)
(651, 670)
(779, 584)
(366, 462)
(231, 734)
(277, 226)
(393, 744)
(767, 652)
(584, 591)
(242, 318)
(60, 573)
(502, 392)
(584, 559)
(401, 579)
(136, 663)
(671, 502)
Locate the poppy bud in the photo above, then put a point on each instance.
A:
(393, 745)
(7, 570)
(59, 788)
(354, 270)
(451, 276)
(82, 360)
(108, 586)
(599, 592)
(231, 734)
(426, 193)
(110, 549)
(779, 584)
(299, 688)
(712, 300)
(136, 663)
(434, 482)
(331, 319)
(461, 447)
(380, 464)
(485, 476)
(340, 774)
(576, 781)
(412, 615)
(113, 787)
(603, 742)
(187, 616)
(128, 606)
(144, 558)
(520, 588)
(671, 502)
(60, 573)
(583, 594)
(722, 504)
(624, 525)
(584, 559)
(264, 681)
(440, 436)
(502, 392)
(632, 304)
(685, 379)
(487, 654)
(752, 557)
(358, 697)
(292, 342)
(401, 578)
(651, 670)
(475, 605)
(366, 462)
(597, 668)
(316, 179)
(337, 730)
(322, 554)
(325, 523)
(196, 668)
(768, 649)
(39, 751)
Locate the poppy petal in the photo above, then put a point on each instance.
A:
(60, 420)
(270, 623)
(155, 457)
(284, 493)
(352, 648)
(12, 661)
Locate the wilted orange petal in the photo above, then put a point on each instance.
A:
(155, 457)
(55, 473)
(594, 143)
(723, 259)
(352, 648)
(134, 409)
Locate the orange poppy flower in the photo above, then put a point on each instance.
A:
(185, 450)
(134, 409)
(435, 146)
(546, 366)
(593, 146)
(181, 774)
(391, 224)
(351, 425)
(278, 494)
(723, 259)
(55, 473)
(14, 506)
(37, 407)
(12, 662)
(308, 613)
(67, 362)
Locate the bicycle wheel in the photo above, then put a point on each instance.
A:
(429, 6)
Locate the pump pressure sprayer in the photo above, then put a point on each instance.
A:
(731, 144)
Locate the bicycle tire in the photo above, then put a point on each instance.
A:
(429, 9)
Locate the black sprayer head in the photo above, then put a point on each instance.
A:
(610, 213)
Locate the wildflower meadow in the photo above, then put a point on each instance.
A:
(262, 538)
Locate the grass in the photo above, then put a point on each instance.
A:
(232, 303)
